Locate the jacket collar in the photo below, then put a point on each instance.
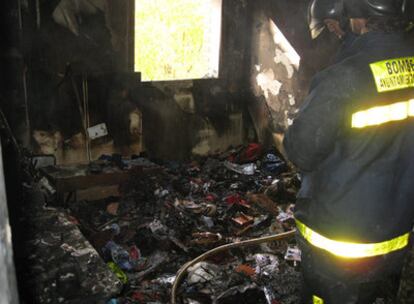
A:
(374, 40)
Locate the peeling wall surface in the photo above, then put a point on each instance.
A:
(283, 60)
(71, 53)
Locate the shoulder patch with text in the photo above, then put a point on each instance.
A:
(393, 74)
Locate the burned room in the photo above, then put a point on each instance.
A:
(207, 152)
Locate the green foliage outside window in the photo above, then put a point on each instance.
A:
(172, 39)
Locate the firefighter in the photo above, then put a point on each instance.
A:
(353, 142)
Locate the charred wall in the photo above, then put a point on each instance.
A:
(278, 86)
(93, 54)
(47, 67)
(12, 82)
(202, 116)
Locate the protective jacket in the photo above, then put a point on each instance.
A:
(346, 48)
(354, 142)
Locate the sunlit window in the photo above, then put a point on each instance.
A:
(177, 39)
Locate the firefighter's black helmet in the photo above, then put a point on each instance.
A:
(373, 8)
(320, 10)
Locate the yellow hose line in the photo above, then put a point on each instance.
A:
(183, 270)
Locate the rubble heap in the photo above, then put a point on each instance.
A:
(176, 211)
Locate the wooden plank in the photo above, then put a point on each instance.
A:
(69, 184)
(74, 178)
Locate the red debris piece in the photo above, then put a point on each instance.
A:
(243, 219)
(73, 220)
(246, 269)
(211, 198)
(137, 296)
(236, 199)
(251, 153)
(134, 253)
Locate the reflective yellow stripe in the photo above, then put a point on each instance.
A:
(317, 300)
(393, 74)
(383, 114)
(351, 250)
(411, 108)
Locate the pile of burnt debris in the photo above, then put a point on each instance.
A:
(169, 213)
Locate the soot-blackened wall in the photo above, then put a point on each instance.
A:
(63, 66)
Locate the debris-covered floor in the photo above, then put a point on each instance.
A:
(165, 217)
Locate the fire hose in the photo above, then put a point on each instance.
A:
(183, 270)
